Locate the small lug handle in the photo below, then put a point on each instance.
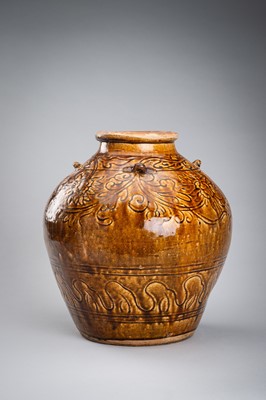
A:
(139, 168)
(197, 163)
(77, 165)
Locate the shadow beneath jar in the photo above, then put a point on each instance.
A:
(217, 332)
(53, 322)
(233, 333)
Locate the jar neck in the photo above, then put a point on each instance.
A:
(137, 148)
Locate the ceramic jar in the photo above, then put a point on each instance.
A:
(137, 237)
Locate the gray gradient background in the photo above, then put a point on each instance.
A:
(69, 68)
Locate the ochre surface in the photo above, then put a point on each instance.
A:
(137, 237)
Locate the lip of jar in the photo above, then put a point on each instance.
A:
(137, 136)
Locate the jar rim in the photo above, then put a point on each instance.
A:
(137, 136)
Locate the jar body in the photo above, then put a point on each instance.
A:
(137, 237)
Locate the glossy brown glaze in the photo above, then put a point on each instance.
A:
(137, 237)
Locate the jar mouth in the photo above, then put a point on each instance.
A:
(137, 136)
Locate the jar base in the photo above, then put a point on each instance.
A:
(140, 342)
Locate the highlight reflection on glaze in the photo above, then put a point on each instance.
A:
(162, 226)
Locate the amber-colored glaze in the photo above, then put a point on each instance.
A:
(137, 237)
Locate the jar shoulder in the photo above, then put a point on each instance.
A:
(166, 186)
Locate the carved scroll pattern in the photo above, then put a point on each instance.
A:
(155, 297)
(99, 187)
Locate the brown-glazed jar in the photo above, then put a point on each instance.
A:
(137, 237)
